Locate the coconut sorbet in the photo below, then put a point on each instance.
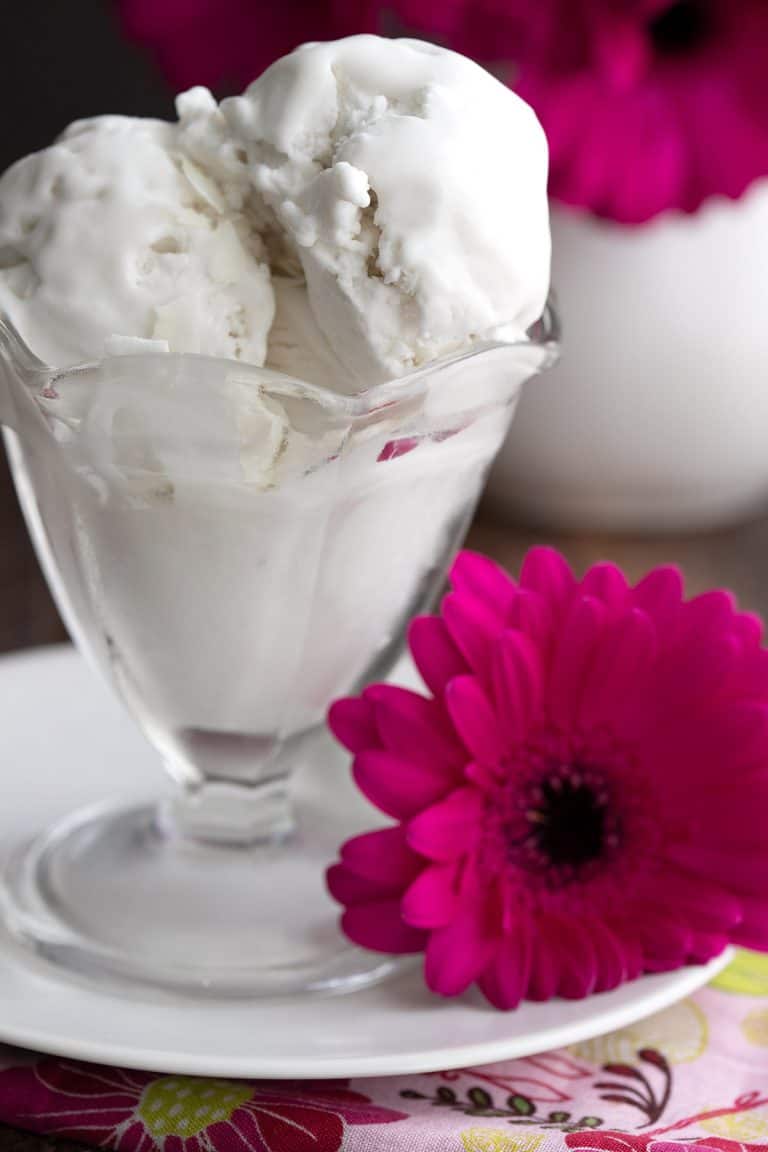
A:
(241, 535)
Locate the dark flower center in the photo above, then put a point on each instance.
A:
(569, 823)
(680, 28)
(562, 824)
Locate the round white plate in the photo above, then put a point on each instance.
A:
(65, 742)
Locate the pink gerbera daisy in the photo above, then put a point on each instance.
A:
(582, 797)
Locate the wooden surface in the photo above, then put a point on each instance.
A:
(27, 614)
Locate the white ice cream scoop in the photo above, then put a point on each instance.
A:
(112, 231)
(409, 185)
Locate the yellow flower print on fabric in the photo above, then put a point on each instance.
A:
(747, 975)
(755, 1027)
(185, 1105)
(680, 1032)
(499, 1140)
(742, 1126)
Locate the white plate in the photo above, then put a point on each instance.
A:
(65, 742)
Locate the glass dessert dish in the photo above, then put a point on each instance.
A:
(233, 549)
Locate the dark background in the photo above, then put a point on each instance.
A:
(62, 60)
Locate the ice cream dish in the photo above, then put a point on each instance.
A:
(256, 364)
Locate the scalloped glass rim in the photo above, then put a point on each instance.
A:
(543, 336)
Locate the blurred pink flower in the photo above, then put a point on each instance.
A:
(581, 799)
(648, 105)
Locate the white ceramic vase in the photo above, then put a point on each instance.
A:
(656, 417)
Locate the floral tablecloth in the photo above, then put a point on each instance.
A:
(695, 1074)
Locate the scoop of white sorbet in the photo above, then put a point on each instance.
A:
(114, 232)
(410, 186)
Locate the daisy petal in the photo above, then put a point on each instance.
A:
(664, 941)
(349, 888)
(744, 871)
(631, 950)
(353, 723)
(473, 629)
(381, 928)
(485, 580)
(545, 571)
(383, 857)
(706, 945)
(712, 613)
(573, 656)
(752, 932)
(545, 972)
(399, 787)
(474, 719)
(726, 818)
(611, 967)
(606, 583)
(709, 906)
(449, 829)
(484, 777)
(660, 595)
(751, 677)
(458, 953)
(517, 687)
(432, 899)
(732, 736)
(413, 726)
(749, 628)
(695, 672)
(578, 960)
(623, 659)
(505, 979)
(532, 616)
(434, 653)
